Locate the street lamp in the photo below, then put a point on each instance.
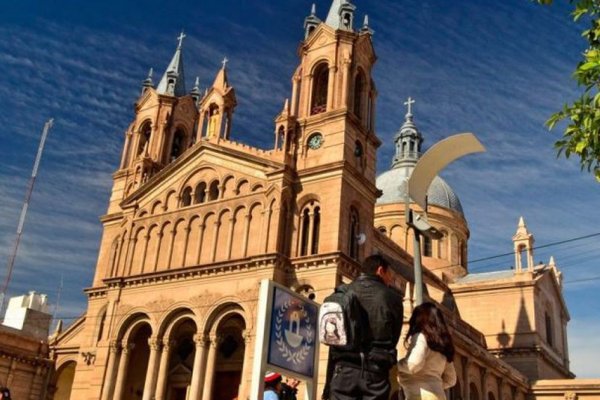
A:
(429, 165)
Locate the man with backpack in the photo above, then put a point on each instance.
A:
(367, 330)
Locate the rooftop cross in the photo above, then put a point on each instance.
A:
(409, 104)
(224, 62)
(180, 39)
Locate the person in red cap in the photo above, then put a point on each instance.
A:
(272, 386)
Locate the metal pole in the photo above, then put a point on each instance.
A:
(13, 254)
(418, 268)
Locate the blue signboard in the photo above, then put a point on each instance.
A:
(292, 337)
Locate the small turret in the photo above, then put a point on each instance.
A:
(147, 84)
(311, 22)
(408, 140)
(523, 244)
(341, 15)
(366, 28)
(196, 94)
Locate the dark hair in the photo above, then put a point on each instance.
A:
(429, 320)
(374, 261)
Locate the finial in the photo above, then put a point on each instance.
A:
(408, 103)
(224, 62)
(552, 263)
(180, 39)
(522, 223)
(150, 72)
(197, 83)
(286, 106)
(366, 22)
(313, 9)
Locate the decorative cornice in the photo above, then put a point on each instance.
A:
(217, 268)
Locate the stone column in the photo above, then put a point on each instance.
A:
(187, 230)
(200, 238)
(247, 367)
(247, 218)
(163, 370)
(122, 372)
(109, 383)
(232, 222)
(311, 226)
(209, 377)
(215, 243)
(295, 85)
(150, 383)
(345, 81)
(126, 150)
(198, 371)
(309, 94)
(155, 261)
(331, 87)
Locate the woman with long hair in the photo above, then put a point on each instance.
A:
(427, 370)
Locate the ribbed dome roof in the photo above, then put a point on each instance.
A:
(393, 183)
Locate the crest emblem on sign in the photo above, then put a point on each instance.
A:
(294, 333)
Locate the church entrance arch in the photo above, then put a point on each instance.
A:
(64, 381)
(138, 362)
(229, 358)
(181, 360)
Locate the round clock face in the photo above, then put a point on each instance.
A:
(315, 141)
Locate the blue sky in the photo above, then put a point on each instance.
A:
(498, 69)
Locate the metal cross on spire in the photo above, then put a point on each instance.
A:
(180, 39)
(224, 62)
(409, 104)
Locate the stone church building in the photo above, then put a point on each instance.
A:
(196, 219)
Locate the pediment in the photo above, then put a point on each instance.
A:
(72, 336)
(146, 100)
(207, 162)
(322, 36)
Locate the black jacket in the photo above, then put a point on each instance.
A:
(382, 320)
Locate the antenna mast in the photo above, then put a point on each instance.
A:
(13, 255)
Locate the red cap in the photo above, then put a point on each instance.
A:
(272, 376)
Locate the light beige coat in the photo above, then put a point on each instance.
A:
(425, 374)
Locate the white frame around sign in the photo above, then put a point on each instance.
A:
(263, 327)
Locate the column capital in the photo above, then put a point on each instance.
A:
(215, 341)
(247, 337)
(168, 344)
(126, 347)
(114, 346)
(154, 343)
(200, 340)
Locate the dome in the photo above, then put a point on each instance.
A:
(393, 183)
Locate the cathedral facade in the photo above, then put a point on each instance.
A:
(196, 220)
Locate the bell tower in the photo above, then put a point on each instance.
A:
(333, 102)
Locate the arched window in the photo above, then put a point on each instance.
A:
(177, 146)
(548, 323)
(200, 193)
(186, 197)
(213, 191)
(320, 87)
(281, 138)
(101, 322)
(310, 227)
(427, 247)
(145, 133)
(443, 245)
(354, 232)
(359, 83)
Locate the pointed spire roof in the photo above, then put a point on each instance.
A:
(334, 18)
(221, 81)
(174, 72)
(366, 28)
(196, 88)
(522, 227)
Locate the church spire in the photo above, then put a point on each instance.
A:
(408, 140)
(221, 81)
(148, 81)
(172, 82)
(341, 15)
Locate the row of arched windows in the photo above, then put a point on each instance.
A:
(178, 145)
(200, 194)
(310, 226)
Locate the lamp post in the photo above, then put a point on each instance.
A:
(429, 165)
